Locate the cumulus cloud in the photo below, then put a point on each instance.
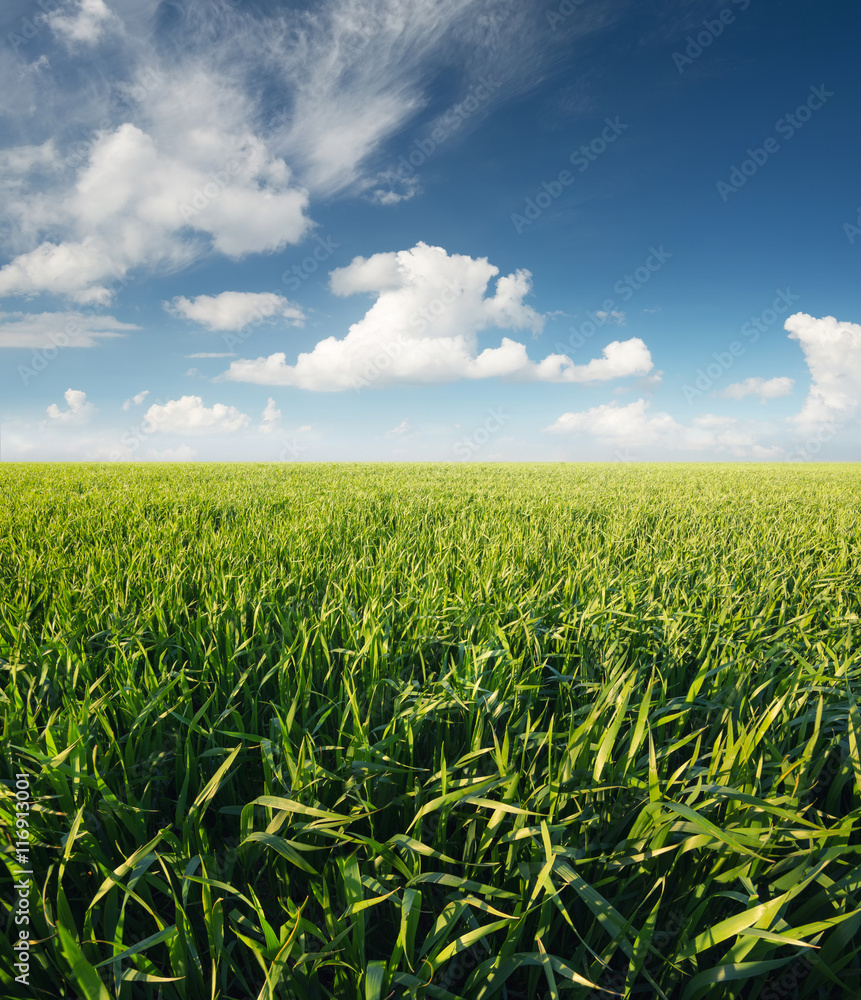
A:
(620, 359)
(58, 329)
(423, 328)
(84, 24)
(235, 310)
(135, 400)
(188, 415)
(143, 199)
(79, 409)
(271, 420)
(765, 389)
(832, 350)
(616, 316)
(213, 164)
(187, 154)
(638, 425)
(624, 425)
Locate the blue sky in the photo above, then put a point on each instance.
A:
(429, 230)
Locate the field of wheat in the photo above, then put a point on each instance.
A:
(470, 731)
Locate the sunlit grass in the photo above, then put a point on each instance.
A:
(435, 731)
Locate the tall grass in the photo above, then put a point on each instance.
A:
(434, 731)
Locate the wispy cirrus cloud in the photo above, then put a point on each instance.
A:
(66, 329)
(211, 126)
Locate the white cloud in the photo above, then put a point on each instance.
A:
(174, 149)
(16, 445)
(19, 161)
(423, 327)
(390, 188)
(189, 415)
(58, 329)
(623, 425)
(234, 310)
(271, 417)
(136, 400)
(84, 25)
(832, 350)
(771, 388)
(616, 316)
(404, 427)
(154, 201)
(79, 410)
(714, 421)
(358, 69)
(181, 454)
(620, 359)
(636, 425)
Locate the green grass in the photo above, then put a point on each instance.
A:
(433, 730)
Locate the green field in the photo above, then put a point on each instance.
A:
(432, 730)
